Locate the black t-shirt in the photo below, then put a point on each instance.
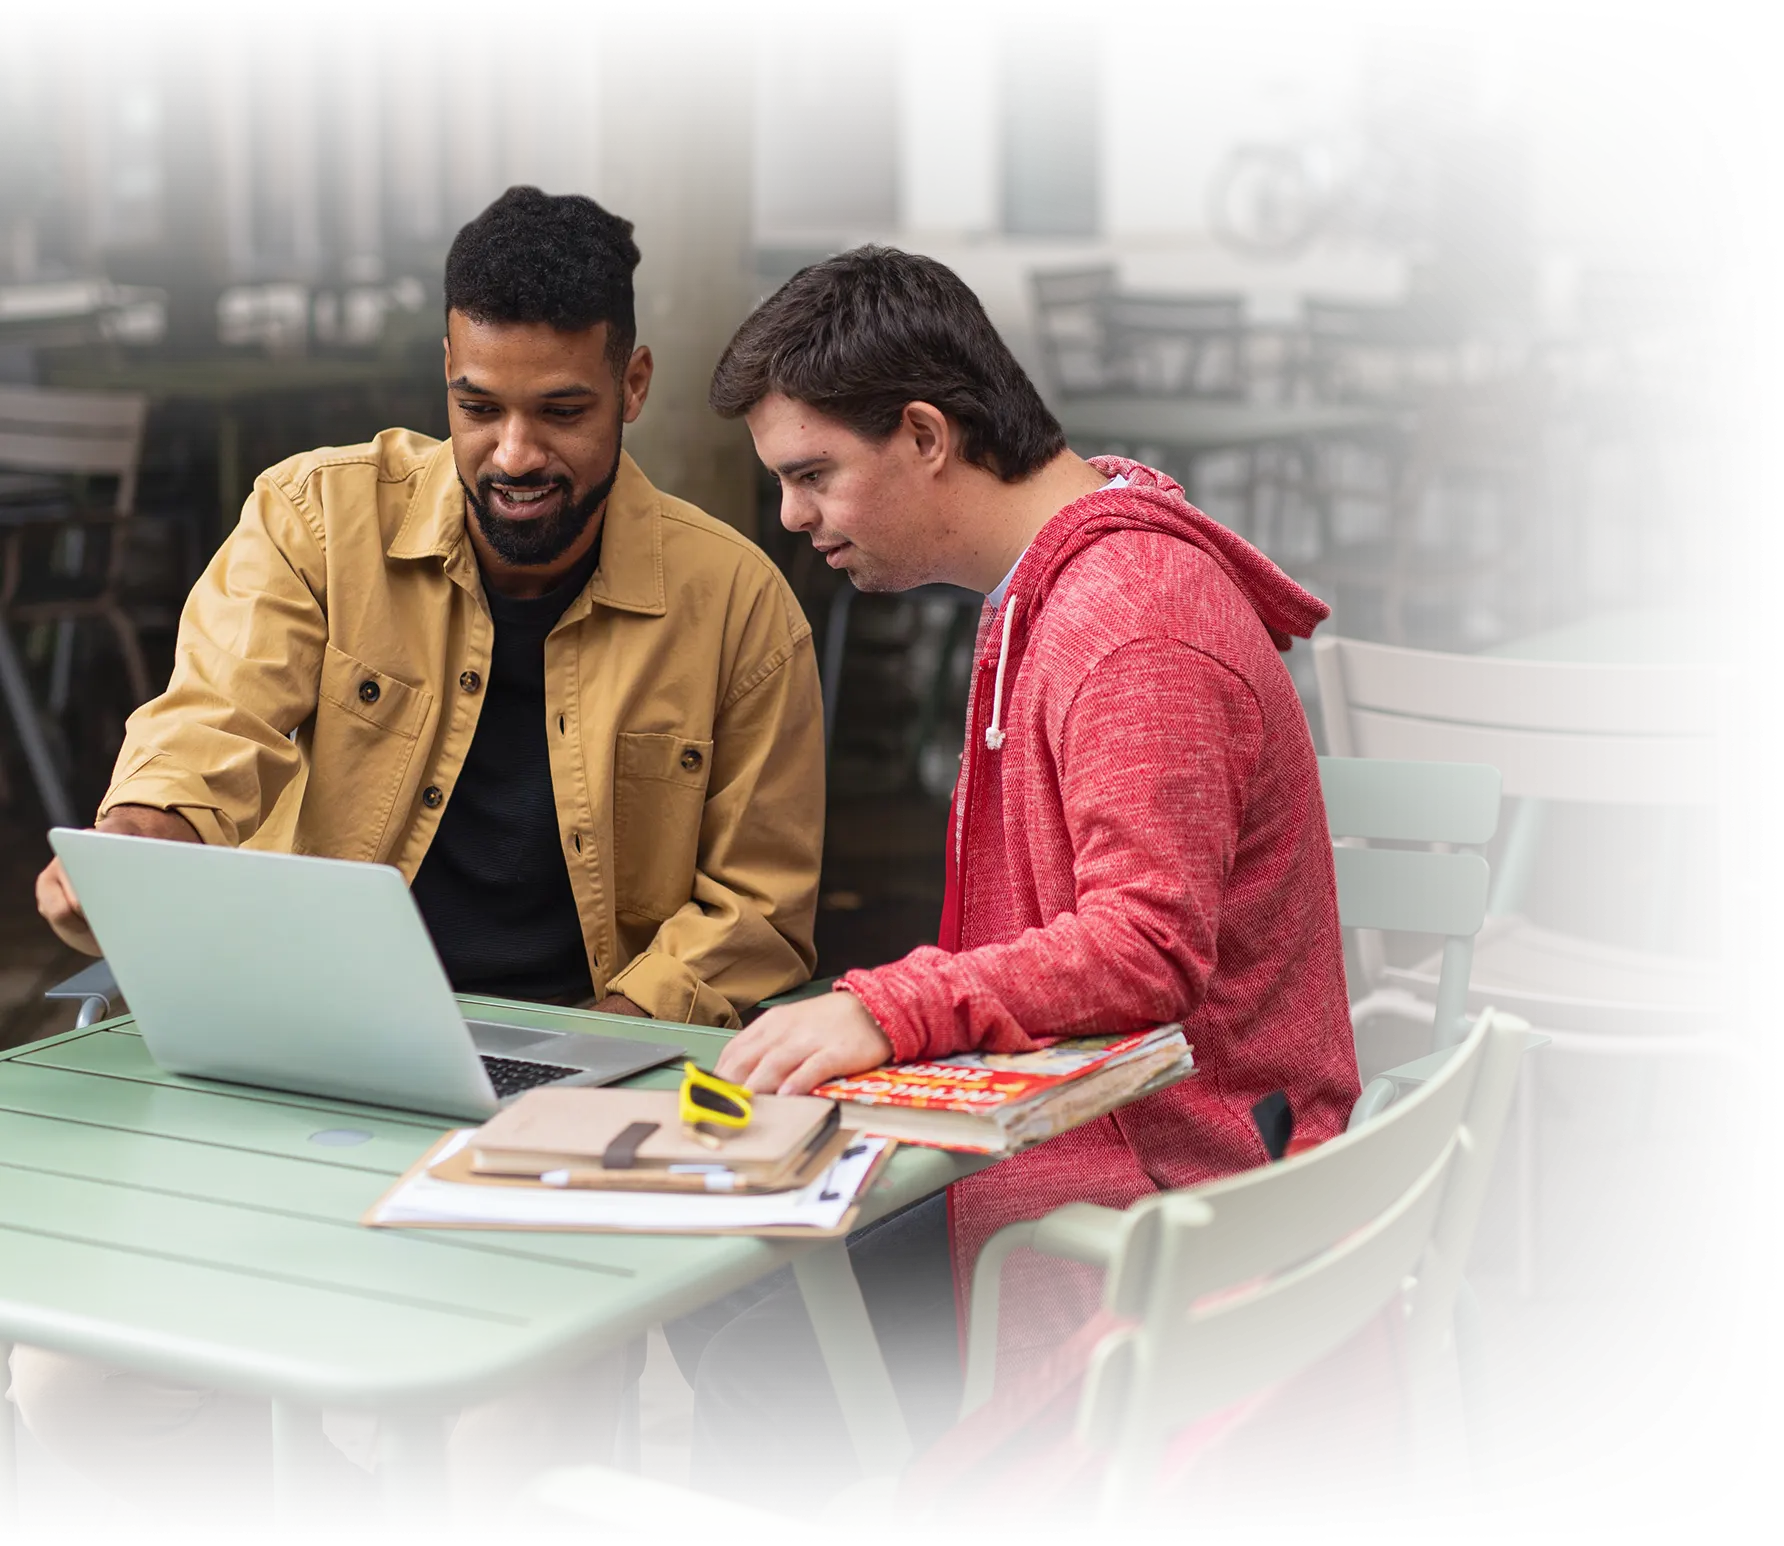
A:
(494, 888)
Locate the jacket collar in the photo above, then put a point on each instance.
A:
(630, 578)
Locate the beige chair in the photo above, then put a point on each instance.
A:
(62, 555)
(1643, 735)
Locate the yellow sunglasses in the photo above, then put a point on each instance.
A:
(709, 1102)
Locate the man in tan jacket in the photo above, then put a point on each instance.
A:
(580, 716)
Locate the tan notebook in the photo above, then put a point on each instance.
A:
(591, 1131)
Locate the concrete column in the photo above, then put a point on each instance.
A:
(361, 161)
(571, 148)
(227, 82)
(527, 91)
(471, 123)
(674, 148)
(289, 125)
(416, 120)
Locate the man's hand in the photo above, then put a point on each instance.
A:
(56, 900)
(793, 1049)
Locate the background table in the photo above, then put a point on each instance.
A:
(210, 1234)
(227, 385)
(1645, 637)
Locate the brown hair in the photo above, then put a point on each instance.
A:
(864, 333)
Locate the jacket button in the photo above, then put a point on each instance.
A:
(691, 759)
(368, 691)
(431, 797)
(469, 680)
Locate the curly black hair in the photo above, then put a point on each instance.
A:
(563, 261)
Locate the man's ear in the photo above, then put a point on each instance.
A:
(635, 383)
(932, 436)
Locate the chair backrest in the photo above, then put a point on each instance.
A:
(53, 430)
(1069, 319)
(1177, 345)
(1416, 890)
(1610, 734)
(1347, 343)
(1242, 1283)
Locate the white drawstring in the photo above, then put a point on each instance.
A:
(994, 737)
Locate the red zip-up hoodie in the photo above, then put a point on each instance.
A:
(1138, 837)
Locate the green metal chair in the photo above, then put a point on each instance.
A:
(1337, 1231)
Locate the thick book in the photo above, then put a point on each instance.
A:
(996, 1103)
(634, 1136)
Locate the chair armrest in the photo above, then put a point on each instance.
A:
(1079, 1231)
(94, 986)
(1394, 1084)
(650, 1509)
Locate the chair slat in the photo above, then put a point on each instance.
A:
(1546, 765)
(1430, 802)
(1583, 699)
(1229, 1351)
(1396, 889)
(1273, 1218)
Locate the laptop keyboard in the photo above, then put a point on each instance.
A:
(512, 1075)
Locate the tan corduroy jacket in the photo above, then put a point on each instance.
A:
(329, 673)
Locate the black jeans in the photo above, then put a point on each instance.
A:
(767, 1425)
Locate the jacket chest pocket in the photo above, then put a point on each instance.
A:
(659, 800)
(368, 723)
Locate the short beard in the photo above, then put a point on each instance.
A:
(532, 544)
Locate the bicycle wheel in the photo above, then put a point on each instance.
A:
(1266, 201)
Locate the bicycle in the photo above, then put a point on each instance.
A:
(1362, 166)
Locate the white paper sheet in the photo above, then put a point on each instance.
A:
(821, 1205)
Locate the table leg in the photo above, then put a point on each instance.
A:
(15, 688)
(412, 1469)
(1663, 938)
(298, 1440)
(9, 1457)
(852, 1355)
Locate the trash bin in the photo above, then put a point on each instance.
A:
(1483, 188)
(1745, 175)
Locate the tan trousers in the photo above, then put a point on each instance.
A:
(181, 1450)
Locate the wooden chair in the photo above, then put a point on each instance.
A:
(1337, 1231)
(61, 558)
(1486, 435)
(1072, 329)
(1630, 735)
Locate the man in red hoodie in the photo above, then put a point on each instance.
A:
(1138, 835)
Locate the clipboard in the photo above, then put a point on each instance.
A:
(428, 1161)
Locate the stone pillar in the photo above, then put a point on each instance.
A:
(675, 159)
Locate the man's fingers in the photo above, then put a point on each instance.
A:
(61, 909)
(778, 1061)
(824, 1063)
(742, 1053)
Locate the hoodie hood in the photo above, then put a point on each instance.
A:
(1150, 501)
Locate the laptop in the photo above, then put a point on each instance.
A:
(309, 975)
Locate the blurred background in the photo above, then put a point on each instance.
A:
(1460, 316)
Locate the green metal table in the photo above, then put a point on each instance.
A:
(210, 1234)
(1645, 637)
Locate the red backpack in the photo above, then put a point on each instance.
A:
(1321, 1455)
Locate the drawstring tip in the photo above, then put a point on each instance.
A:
(994, 739)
